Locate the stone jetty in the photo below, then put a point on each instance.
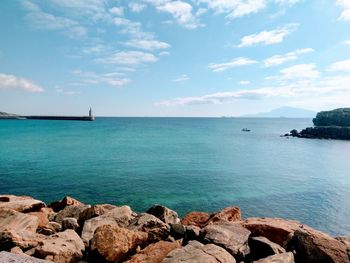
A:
(69, 231)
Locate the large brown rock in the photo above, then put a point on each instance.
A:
(69, 211)
(228, 214)
(20, 203)
(312, 246)
(198, 219)
(165, 214)
(277, 230)
(115, 244)
(261, 247)
(154, 253)
(23, 240)
(196, 252)
(156, 229)
(63, 247)
(43, 215)
(66, 201)
(231, 236)
(6, 257)
(346, 242)
(279, 258)
(119, 216)
(19, 222)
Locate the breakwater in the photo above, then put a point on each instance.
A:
(69, 231)
(60, 118)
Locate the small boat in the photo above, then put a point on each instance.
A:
(245, 130)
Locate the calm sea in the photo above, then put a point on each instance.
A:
(187, 164)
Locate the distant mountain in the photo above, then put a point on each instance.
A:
(284, 112)
(5, 115)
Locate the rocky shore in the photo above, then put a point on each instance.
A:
(69, 231)
(333, 124)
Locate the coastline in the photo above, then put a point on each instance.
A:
(70, 231)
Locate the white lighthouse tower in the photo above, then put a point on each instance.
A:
(90, 115)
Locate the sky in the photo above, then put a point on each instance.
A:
(173, 58)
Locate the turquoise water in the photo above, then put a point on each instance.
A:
(184, 163)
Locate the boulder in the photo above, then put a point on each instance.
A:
(16, 221)
(279, 258)
(94, 211)
(69, 211)
(165, 214)
(312, 246)
(23, 240)
(43, 215)
(7, 257)
(261, 247)
(119, 216)
(116, 244)
(177, 231)
(20, 203)
(156, 229)
(50, 228)
(154, 253)
(198, 219)
(192, 233)
(66, 201)
(231, 236)
(228, 214)
(63, 247)
(70, 223)
(277, 230)
(346, 242)
(196, 252)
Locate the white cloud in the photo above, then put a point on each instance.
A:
(335, 87)
(287, 2)
(346, 42)
(115, 79)
(268, 37)
(280, 59)
(41, 20)
(118, 11)
(180, 10)
(181, 78)
(297, 72)
(164, 53)
(345, 5)
(343, 65)
(65, 92)
(235, 8)
(136, 7)
(132, 28)
(94, 49)
(147, 44)
(128, 58)
(237, 62)
(14, 82)
(244, 82)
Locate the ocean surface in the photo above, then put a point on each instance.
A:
(187, 164)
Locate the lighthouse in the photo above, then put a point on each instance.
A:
(90, 115)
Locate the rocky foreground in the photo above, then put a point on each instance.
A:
(69, 231)
(333, 124)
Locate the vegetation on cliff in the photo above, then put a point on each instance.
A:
(337, 117)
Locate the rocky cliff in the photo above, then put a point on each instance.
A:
(333, 124)
(68, 231)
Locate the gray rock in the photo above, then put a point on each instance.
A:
(178, 231)
(156, 229)
(119, 216)
(165, 214)
(279, 258)
(231, 236)
(261, 247)
(70, 223)
(196, 252)
(6, 257)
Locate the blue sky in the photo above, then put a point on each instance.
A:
(173, 58)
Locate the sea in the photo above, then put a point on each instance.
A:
(187, 164)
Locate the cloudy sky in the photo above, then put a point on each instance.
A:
(173, 58)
